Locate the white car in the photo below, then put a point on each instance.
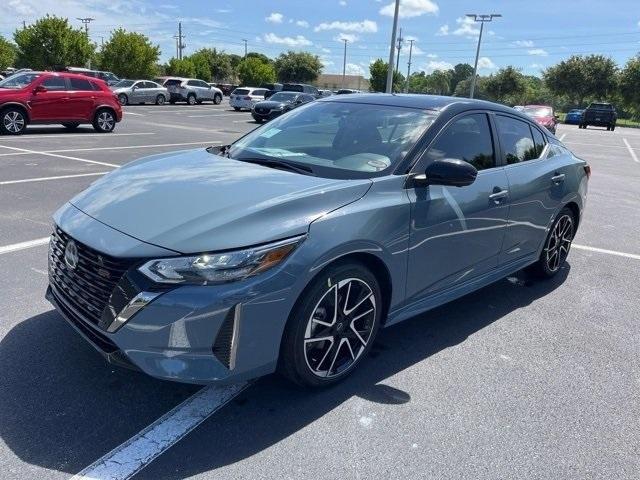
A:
(246, 97)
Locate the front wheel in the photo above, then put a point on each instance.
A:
(14, 121)
(332, 326)
(613, 127)
(237, 109)
(160, 100)
(217, 99)
(104, 121)
(556, 246)
(191, 99)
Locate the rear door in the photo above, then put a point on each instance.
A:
(536, 185)
(52, 104)
(82, 97)
(457, 233)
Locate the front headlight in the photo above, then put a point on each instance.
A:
(215, 268)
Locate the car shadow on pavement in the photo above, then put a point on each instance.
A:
(62, 406)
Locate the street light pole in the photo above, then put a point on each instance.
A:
(392, 48)
(406, 85)
(86, 22)
(245, 47)
(344, 61)
(482, 18)
(400, 39)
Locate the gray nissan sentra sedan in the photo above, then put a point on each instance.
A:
(290, 248)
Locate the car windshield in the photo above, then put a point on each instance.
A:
(19, 81)
(240, 91)
(538, 111)
(283, 96)
(336, 139)
(124, 83)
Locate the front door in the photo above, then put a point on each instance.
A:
(457, 232)
(52, 104)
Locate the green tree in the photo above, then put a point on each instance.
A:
(507, 85)
(254, 72)
(215, 62)
(7, 53)
(580, 77)
(378, 77)
(464, 87)
(260, 56)
(51, 42)
(301, 67)
(181, 68)
(601, 76)
(461, 71)
(129, 55)
(438, 82)
(629, 85)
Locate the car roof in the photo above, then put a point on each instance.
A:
(424, 102)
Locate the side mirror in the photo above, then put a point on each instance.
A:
(40, 89)
(449, 172)
(135, 87)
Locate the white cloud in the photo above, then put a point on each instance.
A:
(302, 23)
(274, 18)
(437, 65)
(486, 63)
(467, 27)
(297, 41)
(325, 50)
(523, 43)
(365, 26)
(443, 31)
(354, 69)
(326, 62)
(349, 37)
(536, 66)
(432, 55)
(541, 52)
(410, 8)
(342, 3)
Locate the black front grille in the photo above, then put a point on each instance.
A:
(88, 286)
(262, 110)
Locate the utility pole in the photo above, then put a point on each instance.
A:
(482, 18)
(400, 39)
(24, 24)
(344, 61)
(245, 47)
(392, 49)
(180, 46)
(406, 85)
(86, 21)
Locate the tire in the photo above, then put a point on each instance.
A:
(613, 127)
(160, 100)
(237, 109)
(199, 102)
(172, 102)
(13, 121)
(318, 351)
(123, 99)
(217, 99)
(608, 128)
(558, 242)
(191, 99)
(104, 121)
(70, 125)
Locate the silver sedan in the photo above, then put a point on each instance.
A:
(140, 91)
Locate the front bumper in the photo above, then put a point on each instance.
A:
(266, 116)
(193, 334)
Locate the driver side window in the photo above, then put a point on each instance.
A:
(467, 138)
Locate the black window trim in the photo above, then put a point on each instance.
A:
(497, 151)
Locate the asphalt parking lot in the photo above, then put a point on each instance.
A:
(522, 379)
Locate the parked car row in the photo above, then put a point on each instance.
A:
(600, 114)
(56, 97)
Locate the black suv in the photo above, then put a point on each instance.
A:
(279, 103)
(271, 88)
(302, 88)
(599, 115)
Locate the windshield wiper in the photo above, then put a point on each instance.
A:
(294, 167)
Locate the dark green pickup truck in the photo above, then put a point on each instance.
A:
(599, 115)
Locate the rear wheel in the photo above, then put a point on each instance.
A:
(13, 121)
(104, 121)
(556, 246)
(332, 326)
(191, 99)
(160, 100)
(237, 109)
(217, 99)
(613, 127)
(70, 125)
(123, 99)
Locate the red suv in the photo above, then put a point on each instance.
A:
(51, 97)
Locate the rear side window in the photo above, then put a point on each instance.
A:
(54, 84)
(468, 139)
(259, 91)
(80, 84)
(515, 139)
(240, 91)
(172, 83)
(538, 141)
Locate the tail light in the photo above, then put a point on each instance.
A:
(587, 170)
(247, 97)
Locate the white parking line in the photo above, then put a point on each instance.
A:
(208, 142)
(73, 135)
(562, 136)
(44, 179)
(61, 156)
(631, 152)
(604, 250)
(183, 127)
(571, 142)
(135, 114)
(23, 245)
(214, 115)
(126, 460)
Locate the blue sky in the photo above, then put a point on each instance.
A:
(532, 34)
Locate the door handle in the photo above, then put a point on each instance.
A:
(498, 195)
(558, 178)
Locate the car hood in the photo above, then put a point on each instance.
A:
(121, 90)
(543, 120)
(194, 201)
(271, 104)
